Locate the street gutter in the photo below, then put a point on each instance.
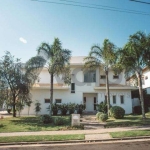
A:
(76, 141)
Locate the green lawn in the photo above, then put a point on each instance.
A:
(31, 124)
(128, 120)
(41, 138)
(130, 133)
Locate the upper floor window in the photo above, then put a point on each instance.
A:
(115, 76)
(72, 87)
(103, 77)
(90, 76)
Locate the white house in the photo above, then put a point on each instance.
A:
(88, 88)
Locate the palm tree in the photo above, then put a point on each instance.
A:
(57, 61)
(134, 57)
(102, 57)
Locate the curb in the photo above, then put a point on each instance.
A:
(75, 141)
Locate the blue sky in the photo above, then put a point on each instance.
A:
(24, 24)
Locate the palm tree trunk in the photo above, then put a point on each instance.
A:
(51, 94)
(107, 92)
(141, 95)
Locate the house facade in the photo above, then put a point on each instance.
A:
(87, 87)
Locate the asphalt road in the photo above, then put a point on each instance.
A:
(125, 145)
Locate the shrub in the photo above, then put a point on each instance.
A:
(98, 114)
(103, 117)
(58, 121)
(102, 107)
(80, 108)
(117, 112)
(71, 108)
(64, 109)
(45, 119)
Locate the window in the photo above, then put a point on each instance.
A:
(90, 76)
(103, 77)
(146, 77)
(72, 87)
(114, 99)
(47, 100)
(121, 99)
(115, 77)
(57, 100)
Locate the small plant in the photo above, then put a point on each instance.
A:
(117, 112)
(45, 119)
(64, 109)
(103, 117)
(58, 121)
(80, 108)
(102, 107)
(37, 107)
(71, 108)
(98, 114)
(55, 108)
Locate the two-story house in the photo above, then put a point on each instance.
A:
(87, 87)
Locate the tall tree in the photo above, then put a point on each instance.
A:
(16, 79)
(102, 57)
(134, 57)
(57, 62)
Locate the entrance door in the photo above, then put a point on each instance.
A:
(89, 103)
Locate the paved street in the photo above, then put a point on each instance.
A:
(119, 145)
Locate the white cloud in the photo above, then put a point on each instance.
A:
(23, 40)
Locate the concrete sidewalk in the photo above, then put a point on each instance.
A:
(86, 132)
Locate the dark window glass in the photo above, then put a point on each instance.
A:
(57, 100)
(103, 77)
(114, 99)
(72, 87)
(47, 100)
(90, 76)
(122, 99)
(115, 76)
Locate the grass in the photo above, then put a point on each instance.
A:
(41, 138)
(130, 133)
(128, 120)
(24, 124)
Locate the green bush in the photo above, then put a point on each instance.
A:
(58, 121)
(103, 117)
(64, 109)
(98, 114)
(45, 119)
(117, 112)
(102, 107)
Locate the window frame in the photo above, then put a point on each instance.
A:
(115, 76)
(72, 87)
(102, 76)
(121, 96)
(114, 100)
(46, 100)
(57, 99)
